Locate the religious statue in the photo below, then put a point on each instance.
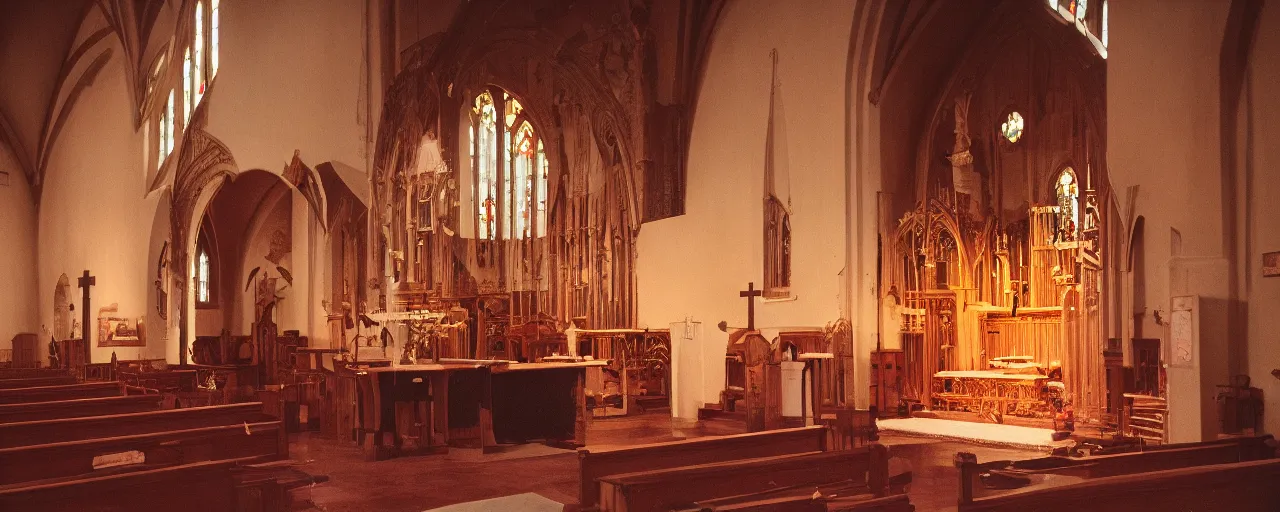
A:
(76, 330)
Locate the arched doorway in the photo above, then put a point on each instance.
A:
(62, 309)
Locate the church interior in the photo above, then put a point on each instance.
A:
(639, 255)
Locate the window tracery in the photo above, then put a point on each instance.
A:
(518, 209)
(1012, 127)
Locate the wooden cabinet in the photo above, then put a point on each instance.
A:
(886, 381)
(26, 353)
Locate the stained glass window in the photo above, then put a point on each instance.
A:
(1105, 41)
(213, 40)
(523, 179)
(197, 57)
(186, 89)
(1012, 127)
(166, 124)
(202, 277)
(486, 165)
(1068, 194)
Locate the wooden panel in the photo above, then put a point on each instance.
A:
(11, 413)
(198, 486)
(72, 458)
(60, 380)
(69, 429)
(595, 464)
(1240, 487)
(664, 489)
(54, 393)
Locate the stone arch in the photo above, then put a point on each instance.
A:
(202, 161)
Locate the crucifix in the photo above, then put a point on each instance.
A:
(85, 282)
(750, 294)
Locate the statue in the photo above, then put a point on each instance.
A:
(76, 330)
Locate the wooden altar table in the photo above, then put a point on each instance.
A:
(984, 390)
(458, 402)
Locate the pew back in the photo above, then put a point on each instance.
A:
(12, 413)
(69, 429)
(259, 442)
(665, 489)
(63, 392)
(31, 382)
(596, 463)
(1240, 487)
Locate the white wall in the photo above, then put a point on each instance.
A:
(693, 266)
(1260, 139)
(19, 309)
(291, 77)
(94, 213)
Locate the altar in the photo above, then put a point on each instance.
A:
(427, 408)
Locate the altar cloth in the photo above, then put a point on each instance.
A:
(982, 433)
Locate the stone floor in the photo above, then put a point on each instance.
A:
(424, 482)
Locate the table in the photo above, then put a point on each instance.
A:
(426, 408)
(983, 390)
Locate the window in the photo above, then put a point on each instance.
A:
(1092, 23)
(197, 60)
(510, 200)
(166, 129)
(1012, 127)
(186, 89)
(213, 40)
(1067, 190)
(203, 295)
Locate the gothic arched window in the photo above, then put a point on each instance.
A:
(206, 267)
(511, 198)
(1067, 191)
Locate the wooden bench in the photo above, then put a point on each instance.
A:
(1239, 487)
(12, 413)
(32, 382)
(1168, 457)
(596, 463)
(28, 433)
(201, 486)
(28, 373)
(258, 442)
(861, 471)
(64, 392)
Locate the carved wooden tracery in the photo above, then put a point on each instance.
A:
(584, 74)
(1018, 277)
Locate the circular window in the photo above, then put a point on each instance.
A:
(1012, 127)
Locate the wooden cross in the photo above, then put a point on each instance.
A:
(85, 282)
(750, 294)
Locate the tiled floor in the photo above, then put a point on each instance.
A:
(423, 482)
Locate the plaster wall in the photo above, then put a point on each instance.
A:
(292, 76)
(1259, 146)
(94, 213)
(1179, 186)
(694, 265)
(18, 303)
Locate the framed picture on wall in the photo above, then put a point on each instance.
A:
(1271, 264)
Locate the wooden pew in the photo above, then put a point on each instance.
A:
(1240, 487)
(12, 413)
(27, 373)
(595, 463)
(64, 392)
(220, 485)
(1161, 458)
(255, 442)
(31, 382)
(667, 489)
(28, 433)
